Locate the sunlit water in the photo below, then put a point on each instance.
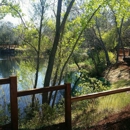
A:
(25, 78)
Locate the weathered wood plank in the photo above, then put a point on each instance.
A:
(99, 94)
(4, 81)
(39, 90)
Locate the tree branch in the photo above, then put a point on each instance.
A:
(77, 43)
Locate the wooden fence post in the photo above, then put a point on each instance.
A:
(13, 102)
(68, 106)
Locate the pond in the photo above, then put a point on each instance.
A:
(24, 69)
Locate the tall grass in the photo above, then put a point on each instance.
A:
(120, 83)
(96, 110)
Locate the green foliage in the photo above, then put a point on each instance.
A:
(109, 39)
(43, 115)
(69, 43)
(90, 67)
(112, 57)
(4, 118)
(96, 63)
(120, 10)
(9, 7)
(103, 59)
(7, 34)
(88, 84)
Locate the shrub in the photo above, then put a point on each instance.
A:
(38, 116)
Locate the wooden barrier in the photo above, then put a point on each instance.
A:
(4, 81)
(126, 51)
(68, 100)
(99, 94)
(68, 106)
(14, 94)
(66, 87)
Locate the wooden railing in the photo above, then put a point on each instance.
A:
(14, 94)
(99, 94)
(67, 89)
(68, 100)
(126, 51)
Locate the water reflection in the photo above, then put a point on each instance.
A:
(25, 71)
(7, 66)
(24, 68)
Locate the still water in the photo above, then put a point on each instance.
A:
(23, 68)
(25, 71)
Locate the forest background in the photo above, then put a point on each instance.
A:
(83, 37)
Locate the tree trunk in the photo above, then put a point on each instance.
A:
(59, 29)
(120, 43)
(103, 45)
(38, 53)
(119, 30)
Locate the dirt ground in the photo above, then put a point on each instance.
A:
(117, 72)
(120, 121)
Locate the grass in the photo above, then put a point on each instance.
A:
(120, 83)
(99, 109)
(113, 103)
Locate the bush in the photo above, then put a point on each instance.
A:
(37, 117)
(89, 84)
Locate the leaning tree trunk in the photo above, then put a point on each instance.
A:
(59, 29)
(102, 44)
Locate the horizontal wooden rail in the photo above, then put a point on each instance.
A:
(99, 94)
(39, 90)
(4, 81)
